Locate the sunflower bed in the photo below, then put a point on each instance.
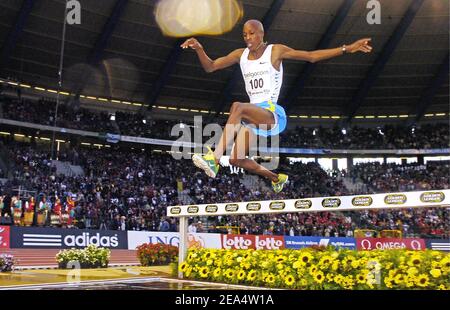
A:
(321, 268)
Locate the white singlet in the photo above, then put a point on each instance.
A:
(262, 80)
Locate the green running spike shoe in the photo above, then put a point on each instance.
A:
(207, 163)
(278, 186)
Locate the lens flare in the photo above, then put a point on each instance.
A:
(182, 18)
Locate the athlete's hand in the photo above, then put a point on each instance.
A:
(192, 43)
(362, 45)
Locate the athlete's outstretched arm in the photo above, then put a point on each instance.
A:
(207, 63)
(361, 45)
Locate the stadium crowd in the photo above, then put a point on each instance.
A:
(129, 190)
(425, 136)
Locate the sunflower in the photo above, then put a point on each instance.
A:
(204, 272)
(412, 271)
(305, 258)
(389, 282)
(330, 277)
(289, 280)
(422, 280)
(313, 269)
(445, 263)
(415, 261)
(245, 264)
(270, 279)
(188, 272)
(355, 264)
(229, 273)
(398, 279)
(442, 287)
(319, 277)
(362, 276)
(241, 275)
(280, 259)
(217, 272)
(251, 276)
(335, 265)
(207, 255)
(338, 279)
(183, 266)
(436, 273)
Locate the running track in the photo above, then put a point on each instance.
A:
(45, 258)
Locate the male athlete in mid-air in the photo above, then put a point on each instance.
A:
(262, 69)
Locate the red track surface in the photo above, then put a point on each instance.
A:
(46, 257)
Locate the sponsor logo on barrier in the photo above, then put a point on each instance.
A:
(362, 201)
(232, 207)
(331, 202)
(277, 205)
(253, 206)
(244, 242)
(296, 242)
(192, 209)
(432, 197)
(23, 237)
(395, 199)
(303, 204)
(438, 244)
(390, 243)
(4, 237)
(211, 209)
(175, 210)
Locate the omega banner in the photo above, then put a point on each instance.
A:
(58, 238)
(433, 198)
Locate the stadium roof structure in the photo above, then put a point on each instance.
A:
(119, 52)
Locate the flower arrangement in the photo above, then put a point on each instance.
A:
(325, 269)
(89, 257)
(6, 263)
(157, 254)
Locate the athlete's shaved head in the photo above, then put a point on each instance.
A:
(255, 24)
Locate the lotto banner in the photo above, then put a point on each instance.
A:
(4, 237)
(244, 242)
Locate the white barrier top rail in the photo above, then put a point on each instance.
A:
(432, 198)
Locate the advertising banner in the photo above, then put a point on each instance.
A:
(59, 238)
(244, 242)
(438, 244)
(390, 244)
(4, 237)
(200, 240)
(303, 242)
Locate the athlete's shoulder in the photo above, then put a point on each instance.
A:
(279, 49)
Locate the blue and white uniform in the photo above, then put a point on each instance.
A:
(263, 83)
